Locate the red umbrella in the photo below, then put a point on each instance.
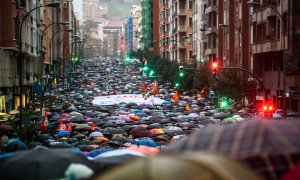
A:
(65, 116)
(5, 127)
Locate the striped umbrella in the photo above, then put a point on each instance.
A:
(271, 147)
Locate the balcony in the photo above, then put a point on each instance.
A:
(209, 51)
(266, 46)
(210, 9)
(181, 28)
(263, 14)
(211, 30)
(181, 12)
(181, 46)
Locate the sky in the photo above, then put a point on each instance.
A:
(78, 7)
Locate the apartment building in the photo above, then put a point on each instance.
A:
(136, 14)
(111, 40)
(275, 50)
(199, 23)
(35, 52)
(181, 31)
(164, 44)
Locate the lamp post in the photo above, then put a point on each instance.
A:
(54, 4)
(194, 37)
(42, 53)
(251, 3)
(242, 54)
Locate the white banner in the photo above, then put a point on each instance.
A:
(126, 98)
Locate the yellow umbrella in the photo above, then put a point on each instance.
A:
(3, 115)
(13, 112)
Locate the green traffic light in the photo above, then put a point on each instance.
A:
(151, 73)
(177, 84)
(181, 74)
(145, 68)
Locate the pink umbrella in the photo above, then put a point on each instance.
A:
(146, 150)
(65, 116)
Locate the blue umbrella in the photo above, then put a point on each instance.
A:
(166, 103)
(146, 142)
(16, 145)
(135, 110)
(54, 118)
(96, 152)
(63, 133)
(96, 134)
(141, 114)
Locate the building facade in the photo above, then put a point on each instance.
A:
(35, 51)
(111, 40)
(129, 35)
(275, 50)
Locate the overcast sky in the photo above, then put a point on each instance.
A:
(78, 7)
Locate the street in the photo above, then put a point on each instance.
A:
(107, 116)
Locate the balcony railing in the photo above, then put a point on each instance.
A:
(181, 12)
(181, 28)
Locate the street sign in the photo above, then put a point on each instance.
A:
(211, 94)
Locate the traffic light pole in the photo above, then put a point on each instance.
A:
(261, 83)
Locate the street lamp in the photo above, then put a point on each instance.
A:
(252, 3)
(42, 42)
(54, 4)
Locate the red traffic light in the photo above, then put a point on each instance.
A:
(214, 65)
(122, 46)
(265, 107)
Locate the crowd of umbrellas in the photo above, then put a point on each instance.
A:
(77, 139)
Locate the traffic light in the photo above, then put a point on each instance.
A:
(122, 46)
(145, 68)
(151, 73)
(224, 103)
(177, 85)
(181, 73)
(214, 68)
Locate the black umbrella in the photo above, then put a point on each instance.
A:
(85, 147)
(85, 142)
(42, 138)
(106, 163)
(33, 145)
(77, 119)
(115, 131)
(40, 164)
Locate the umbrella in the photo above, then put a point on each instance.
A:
(157, 131)
(54, 118)
(14, 112)
(146, 142)
(5, 127)
(77, 119)
(96, 134)
(187, 166)
(104, 164)
(270, 147)
(16, 145)
(63, 133)
(42, 138)
(40, 164)
(97, 152)
(65, 116)
(82, 127)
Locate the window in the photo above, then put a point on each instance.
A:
(190, 54)
(190, 40)
(14, 30)
(190, 22)
(190, 5)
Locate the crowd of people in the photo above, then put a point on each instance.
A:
(109, 114)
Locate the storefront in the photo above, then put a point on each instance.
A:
(3, 105)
